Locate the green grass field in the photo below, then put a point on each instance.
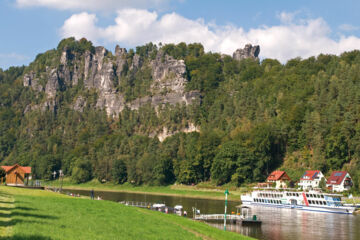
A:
(35, 214)
(204, 190)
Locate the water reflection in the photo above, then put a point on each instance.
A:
(283, 224)
(277, 224)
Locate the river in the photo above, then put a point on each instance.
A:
(277, 224)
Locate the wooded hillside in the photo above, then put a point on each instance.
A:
(247, 118)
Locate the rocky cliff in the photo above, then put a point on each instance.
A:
(103, 72)
(120, 80)
(248, 51)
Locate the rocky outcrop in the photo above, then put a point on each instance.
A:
(30, 80)
(52, 84)
(165, 132)
(168, 74)
(98, 73)
(79, 104)
(121, 62)
(248, 51)
(101, 71)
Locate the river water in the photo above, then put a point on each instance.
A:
(277, 224)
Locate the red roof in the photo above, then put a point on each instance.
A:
(310, 175)
(336, 177)
(25, 169)
(277, 175)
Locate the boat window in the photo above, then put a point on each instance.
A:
(307, 195)
(310, 202)
(317, 202)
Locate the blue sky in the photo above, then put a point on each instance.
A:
(283, 29)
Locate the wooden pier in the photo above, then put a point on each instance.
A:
(208, 217)
(137, 204)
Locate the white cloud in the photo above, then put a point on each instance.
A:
(93, 5)
(13, 56)
(348, 27)
(304, 38)
(82, 25)
(12, 59)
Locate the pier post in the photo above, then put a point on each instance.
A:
(226, 196)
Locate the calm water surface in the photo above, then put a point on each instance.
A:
(277, 224)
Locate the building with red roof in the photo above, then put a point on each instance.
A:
(339, 181)
(280, 178)
(311, 179)
(17, 175)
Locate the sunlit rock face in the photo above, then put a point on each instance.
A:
(102, 71)
(248, 51)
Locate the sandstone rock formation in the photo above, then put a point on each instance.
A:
(101, 72)
(248, 51)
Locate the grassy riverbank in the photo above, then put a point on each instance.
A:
(35, 214)
(205, 190)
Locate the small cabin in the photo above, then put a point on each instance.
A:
(280, 178)
(311, 179)
(339, 181)
(17, 175)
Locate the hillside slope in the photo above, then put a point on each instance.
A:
(169, 113)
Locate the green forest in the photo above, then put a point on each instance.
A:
(254, 116)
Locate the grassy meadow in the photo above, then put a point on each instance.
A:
(36, 214)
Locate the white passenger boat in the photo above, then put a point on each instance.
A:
(309, 201)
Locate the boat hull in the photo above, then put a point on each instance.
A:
(340, 210)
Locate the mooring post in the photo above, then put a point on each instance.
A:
(226, 196)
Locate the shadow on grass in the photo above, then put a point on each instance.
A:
(24, 237)
(13, 222)
(22, 214)
(17, 208)
(41, 216)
